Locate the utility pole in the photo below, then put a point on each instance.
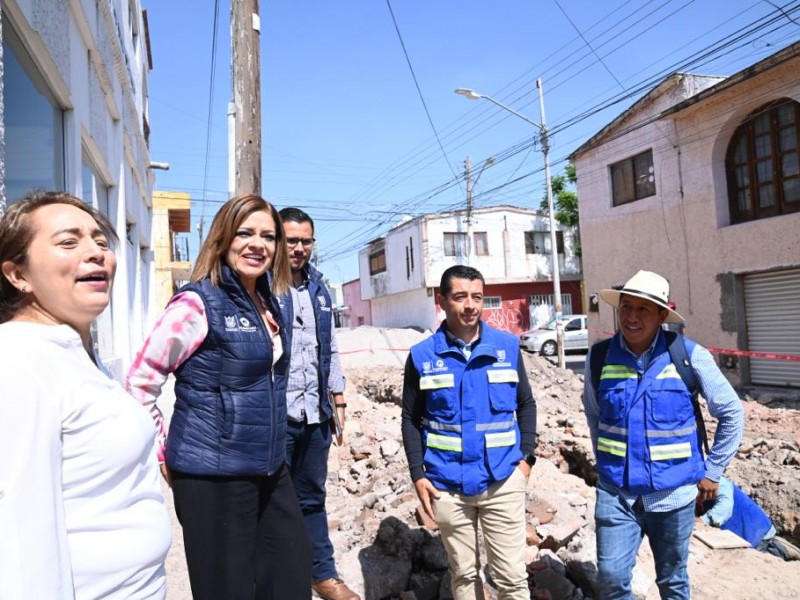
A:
(246, 72)
(545, 142)
(468, 178)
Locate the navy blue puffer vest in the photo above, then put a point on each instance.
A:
(230, 416)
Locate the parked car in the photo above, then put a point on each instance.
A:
(543, 339)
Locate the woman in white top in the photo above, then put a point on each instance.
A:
(81, 510)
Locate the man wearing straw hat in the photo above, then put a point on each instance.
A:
(650, 464)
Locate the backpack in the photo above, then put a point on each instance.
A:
(679, 357)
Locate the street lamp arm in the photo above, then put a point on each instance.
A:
(473, 95)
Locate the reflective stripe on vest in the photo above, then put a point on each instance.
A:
(437, 382)
(503, 376)
(618, 372)
(498, 440)
(492, 426)
(444, 442)
(427, 423)
(612, 429)
(669, 372)
(455, 427)
(652, 433)
(669, 451)
(611, 446)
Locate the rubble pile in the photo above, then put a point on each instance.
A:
(386, 549)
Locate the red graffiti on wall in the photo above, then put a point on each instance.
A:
(505, 319)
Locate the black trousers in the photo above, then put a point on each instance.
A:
(244, 537)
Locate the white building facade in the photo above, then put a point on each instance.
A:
(700, 182)
(510, 246)
(73, 117)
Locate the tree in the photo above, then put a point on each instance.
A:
(565, 201)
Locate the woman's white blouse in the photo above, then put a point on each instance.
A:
(81, 510)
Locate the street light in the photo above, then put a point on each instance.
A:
(543, 139)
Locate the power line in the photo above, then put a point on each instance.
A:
(210, 106)
(416, 84)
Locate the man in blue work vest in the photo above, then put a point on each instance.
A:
(643, 425)
(469, 432)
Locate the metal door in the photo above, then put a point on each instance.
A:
(772, 316)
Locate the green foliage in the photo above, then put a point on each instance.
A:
(565, 199)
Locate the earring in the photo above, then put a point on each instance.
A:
(24, 289)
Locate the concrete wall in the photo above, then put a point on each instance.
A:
(408, 309)
(684, 231)
(97, 72)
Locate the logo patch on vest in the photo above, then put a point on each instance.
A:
(240, 324)
(323, 303)
(427, 366)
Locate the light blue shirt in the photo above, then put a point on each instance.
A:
(723, 404)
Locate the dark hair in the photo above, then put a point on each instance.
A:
(458, 272)
(220, 237)
(17, 232)
(295, 215)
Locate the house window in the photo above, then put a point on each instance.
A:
(633, 178)
(377, 262)
(455, 244)
(95, 191)
(538, 242)
(34, 126)
(762, 163)
(492, 302)
(481, 243)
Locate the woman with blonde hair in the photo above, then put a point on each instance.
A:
(225, 449)
(81, 510)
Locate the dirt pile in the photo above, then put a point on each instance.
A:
(384, 552)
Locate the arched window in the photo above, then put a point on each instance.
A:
(762, 163)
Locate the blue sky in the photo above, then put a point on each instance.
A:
(345, 132)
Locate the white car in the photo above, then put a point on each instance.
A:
(543, 339)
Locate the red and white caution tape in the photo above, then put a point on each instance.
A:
(769, 355)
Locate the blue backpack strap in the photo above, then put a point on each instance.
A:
(597, 358)
(680, 358)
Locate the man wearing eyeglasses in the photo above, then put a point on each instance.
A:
(315, 372)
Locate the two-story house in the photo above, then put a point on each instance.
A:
(510, 246)
(700, 181)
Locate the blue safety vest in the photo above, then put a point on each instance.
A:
(469, 428)
(647, 435)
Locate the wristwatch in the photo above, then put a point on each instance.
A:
(530, 459)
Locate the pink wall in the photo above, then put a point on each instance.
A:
(359, 311)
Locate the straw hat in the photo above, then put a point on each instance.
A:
(649, 286)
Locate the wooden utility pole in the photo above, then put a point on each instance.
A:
(246, 70)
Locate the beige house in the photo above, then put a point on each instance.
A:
(700, 181)
(171, 217)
